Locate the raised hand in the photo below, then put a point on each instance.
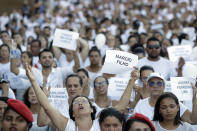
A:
(29, 72)
(135, 73)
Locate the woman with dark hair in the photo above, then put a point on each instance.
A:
(82, 113)
(111, 119)
(87, 90)
(17, 117)
(139, 122)
(167, 114)
(31, 102)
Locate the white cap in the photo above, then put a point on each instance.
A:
(155, 75)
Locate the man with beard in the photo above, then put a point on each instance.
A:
(159, 64)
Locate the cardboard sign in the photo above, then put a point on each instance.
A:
(65, 39)
(59, 99)
(181, 87)
(175, 52)
(116, 87)
(118, 62)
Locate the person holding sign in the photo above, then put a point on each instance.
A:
(156, 86)
(82, 112)
(167, 114)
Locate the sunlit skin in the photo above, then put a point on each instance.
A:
(101, 89)
(139, 126)
(111, 123)
(32, 96)
(95, 58)
(153, 54)
(156, 90)
(46, 59)
(4, 52)
(25, 59)
(14, 122)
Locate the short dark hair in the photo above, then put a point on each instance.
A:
(158, 116)
(153, 39)
(94, 49)
(74, 75)
(93, 114)
(45, 50)
(36, 40)
(84, 71)
(4, 99)
(101, 77)
(111, 112)
(146, 67)
(5, 46)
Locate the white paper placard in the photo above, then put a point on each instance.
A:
(191, 32)
(168, 86)
(116, 87)
(187, 42)
(181, 87)
(156, 27)
(175, 52)
(65, 39)
(118, 62)
(58, 98)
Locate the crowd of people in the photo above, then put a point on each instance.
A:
(31, 67)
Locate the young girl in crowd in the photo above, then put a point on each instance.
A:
(31, 101)
(167, 114)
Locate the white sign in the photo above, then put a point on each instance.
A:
(168, 86)
(118, 62)
(65, 39)
(187, 42)
(181, 87)
(175, 52)
(116, 87)
(59, 99)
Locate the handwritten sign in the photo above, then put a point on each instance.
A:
(175, 52)
(116, 87)
(168, 86)
(187, 42)
(118, 62)
(181, 87)
(59, 99)
(65, 39)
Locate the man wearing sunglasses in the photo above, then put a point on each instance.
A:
(156, 86)
(153, 59)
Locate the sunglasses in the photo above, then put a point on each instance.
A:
(153, 46)
(152, 83)
(103, 83)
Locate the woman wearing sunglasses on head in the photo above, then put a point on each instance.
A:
(167, 114)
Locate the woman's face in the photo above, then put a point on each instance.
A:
(111, 123)
(14, 122)
(168, 109)
(32, 96)
(139, 126)
(81, 106)
(84, 78)
(25, 59)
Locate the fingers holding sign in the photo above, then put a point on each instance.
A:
(135, 73)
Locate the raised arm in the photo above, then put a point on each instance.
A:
(124, 100)
(84, 48)
(191, 117)
(57, 118)
(77, 64)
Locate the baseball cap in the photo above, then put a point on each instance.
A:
(138, 116)
(21, 109)
(155, 74)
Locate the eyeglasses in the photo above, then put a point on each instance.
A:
(103, 83)
(83, 101)
(152, 83)
(153, 46)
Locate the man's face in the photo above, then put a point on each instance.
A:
(46, 59)
(156, 86)
(153, 49)
(35, 48)
(5, 38)
(69, 55)
(144, 75)
(4, 52)
(18, 39)
(73, 87)
(95, 58)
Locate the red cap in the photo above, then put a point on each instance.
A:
(138, 116)
(21, 109)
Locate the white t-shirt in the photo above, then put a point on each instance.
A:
(163, 66)
(182, 127)
(72, 127)
(35, 127)
(10, 93)
(5, 68)
(146, 109)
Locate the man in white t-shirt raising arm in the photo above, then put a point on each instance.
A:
(156, 86)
